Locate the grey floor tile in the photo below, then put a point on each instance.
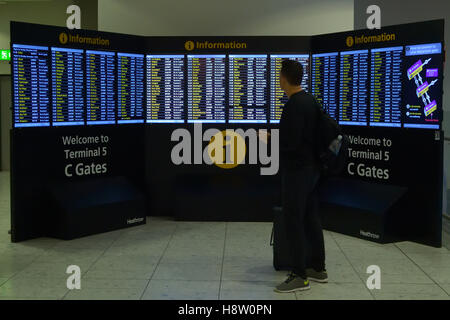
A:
(10, 264)
(446, 287)
(70, 255)
(121, 272)
(342, 273)
(439, 274)
(33, 288)
(200, 231)
(137, 248)
(209, 252)
(425, 259)
(414, 248)
(99, 283)
(252, 290)
(44, 282)
(187, 271)
(251, 271)
(335, 291)
(20, 248)
(374, 253)
(48, 270)
(29, 298)
(105, 294)
(410, 292)
(248, 249)
(148, 233)
(101, 241)
(181, 290)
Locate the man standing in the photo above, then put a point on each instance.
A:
(300, 174)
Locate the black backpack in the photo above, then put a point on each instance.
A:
(331, 145)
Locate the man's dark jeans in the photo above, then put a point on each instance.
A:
(303, 225)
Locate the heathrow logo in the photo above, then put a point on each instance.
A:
(226, 149)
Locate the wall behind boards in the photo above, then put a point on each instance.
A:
(231, 17)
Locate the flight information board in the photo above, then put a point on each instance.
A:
(206, 88)
(386, 87)
(67, 86)
(131, 86)
(100, 87)
(325, 81)
(277, 96)
(31, 86)
(423, 86)
(354, 87)
(165, 88)
(248, 88)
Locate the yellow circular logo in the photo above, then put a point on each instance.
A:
(350, 41)
(227, 149)
(63, 38)
(189, 45)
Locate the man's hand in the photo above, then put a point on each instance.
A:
(263, 135)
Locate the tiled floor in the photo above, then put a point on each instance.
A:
(192, 260)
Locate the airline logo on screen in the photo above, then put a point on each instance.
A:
(65, 38)
(363, 39)
(193, 45)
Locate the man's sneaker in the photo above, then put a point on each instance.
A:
(293, 283)
(317, 276)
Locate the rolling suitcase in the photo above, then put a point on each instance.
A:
(279, 242)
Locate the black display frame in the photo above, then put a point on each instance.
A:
(162, 177)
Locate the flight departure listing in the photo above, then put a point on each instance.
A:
(100, 82)
(277, 96)
(354, 87)
(325, 81)
(399, 86)
(131, 86)
(248, 88)
(31, 86)
(67, 86)
(386, 87)
(206, 88)
(165, 88)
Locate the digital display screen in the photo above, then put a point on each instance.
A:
(277, 96)
(248, 88)
(67, 86)
(386, 87)
(31, 86)
(422, 83)
(165, 88)
(131, 86)
(100, 87)
(325, 81)
(354, 87)
(399, 86)
(206, 88)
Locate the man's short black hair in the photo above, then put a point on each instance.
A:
(293, 71)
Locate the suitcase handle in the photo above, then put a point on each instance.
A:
(271, 238)
(275, 209)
